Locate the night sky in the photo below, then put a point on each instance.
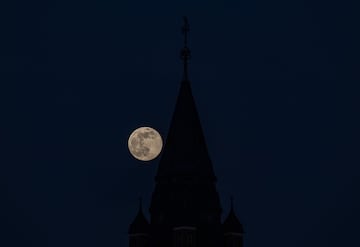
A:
(276, 84)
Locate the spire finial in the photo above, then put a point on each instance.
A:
(140, 204)
(185, 52)
(185, 29)
(231, 203)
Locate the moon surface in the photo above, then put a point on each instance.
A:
(145, 143)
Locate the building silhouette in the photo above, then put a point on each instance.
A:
(185, 207)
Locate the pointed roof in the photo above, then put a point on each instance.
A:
(185, 151)
(140, 223)
(232, 223)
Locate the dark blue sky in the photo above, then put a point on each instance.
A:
(277, 88)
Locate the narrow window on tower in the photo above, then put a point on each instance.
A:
(184, 236)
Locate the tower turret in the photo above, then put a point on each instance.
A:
(233, 230)
(139, 230)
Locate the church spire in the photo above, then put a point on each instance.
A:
(185, 206)
(185, 151)
(232, 223)
(185, 52)
(140, 223)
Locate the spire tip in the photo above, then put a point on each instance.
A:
(185, 52)
(231, 202)
(140, 203)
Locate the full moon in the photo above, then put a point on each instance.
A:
(145, 143)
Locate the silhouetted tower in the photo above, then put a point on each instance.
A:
(185, 208)
(139, 230)
(233, 230)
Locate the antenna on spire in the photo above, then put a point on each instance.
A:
(185, 52)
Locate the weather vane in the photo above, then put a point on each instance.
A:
(185, 52)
